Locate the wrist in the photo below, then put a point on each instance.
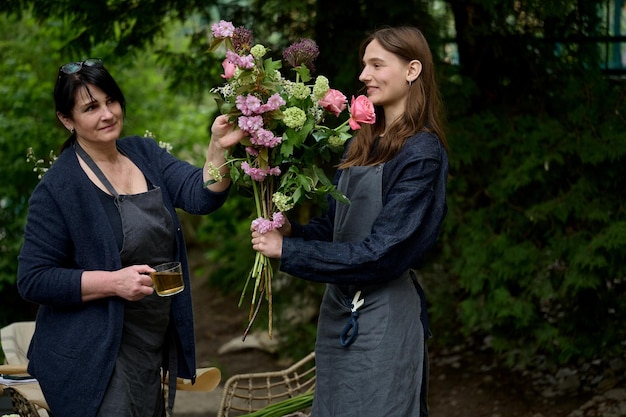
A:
(214, 174)
(286, 230)
(216, 147)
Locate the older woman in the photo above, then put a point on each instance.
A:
(100, 217)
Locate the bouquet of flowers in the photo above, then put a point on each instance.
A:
(279, 161)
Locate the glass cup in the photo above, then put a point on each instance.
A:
(168, 279)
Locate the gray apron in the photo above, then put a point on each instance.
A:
(135, 388)
(369, 361)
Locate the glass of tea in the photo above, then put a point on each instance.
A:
(168, 279)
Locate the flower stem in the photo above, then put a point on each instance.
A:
(257, 197)
(262, 269)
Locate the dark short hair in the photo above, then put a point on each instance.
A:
(68, 85)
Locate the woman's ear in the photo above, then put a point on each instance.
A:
(414, 71)
(67, 122)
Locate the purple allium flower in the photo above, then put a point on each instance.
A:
(302, 53)
(242, 39)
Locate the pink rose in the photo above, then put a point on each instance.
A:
(229, 69)
(361, 111)
(334, 101)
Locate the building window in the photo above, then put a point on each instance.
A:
(613, 46)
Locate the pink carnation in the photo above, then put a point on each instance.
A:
(264, 137)
(278, 220)
(246, 62)
(248, 105)
(273, 103)
(257, 174)
(262, 225)
(250, 124)
(223, 29)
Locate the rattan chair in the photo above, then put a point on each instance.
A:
(27, 398)
(246, 393)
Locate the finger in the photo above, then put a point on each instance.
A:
(233, 138)
(145, 280)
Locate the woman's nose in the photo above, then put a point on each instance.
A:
(364, 75)
(107, 113)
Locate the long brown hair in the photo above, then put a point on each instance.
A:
(422, 108)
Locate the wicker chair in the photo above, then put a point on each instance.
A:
(27, 398)
(246, 393)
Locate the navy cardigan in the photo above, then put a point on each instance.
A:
(414, 206)
(75, 345)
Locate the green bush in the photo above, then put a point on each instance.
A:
(536, 231)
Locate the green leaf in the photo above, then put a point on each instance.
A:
(339, 196)
(271, 66)
(215, 43)
(287, 145)
(304, 73)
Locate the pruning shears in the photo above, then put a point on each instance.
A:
(346, 338)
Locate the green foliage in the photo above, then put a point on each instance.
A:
(129, 25)
(536, 229)
(230, 257)
(24, 108)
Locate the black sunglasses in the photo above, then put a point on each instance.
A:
(74, 67)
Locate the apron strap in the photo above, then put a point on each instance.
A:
(96, 170)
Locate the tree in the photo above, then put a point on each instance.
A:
(514, 51)
(534, 233)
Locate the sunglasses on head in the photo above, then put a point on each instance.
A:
(74, 67)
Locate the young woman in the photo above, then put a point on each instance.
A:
(99, 219)
(370, 340)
